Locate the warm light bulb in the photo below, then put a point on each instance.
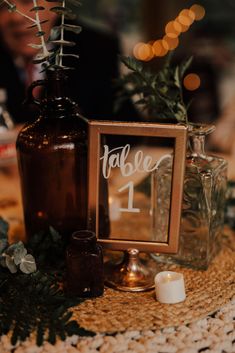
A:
(170, 43)
(173, 29)
(186, 17)
(192, 82)
(158, 48)
(199, 11)
(136, 49)
(184, 28)
(143, 51)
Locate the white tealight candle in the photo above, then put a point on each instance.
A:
(170, 287)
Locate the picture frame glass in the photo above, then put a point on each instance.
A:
(134, 168)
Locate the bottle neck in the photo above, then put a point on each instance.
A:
(83, 240)
(57, 102)
(197, 145)
(57, 84)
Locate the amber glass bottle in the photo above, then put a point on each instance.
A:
(52, 158)
(84, 260)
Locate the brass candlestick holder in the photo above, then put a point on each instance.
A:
(132, 274)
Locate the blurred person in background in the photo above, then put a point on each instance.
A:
(91, 81)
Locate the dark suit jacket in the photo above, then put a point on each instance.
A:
(91, 81)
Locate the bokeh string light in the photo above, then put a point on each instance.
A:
(192, 82)
(160, 47)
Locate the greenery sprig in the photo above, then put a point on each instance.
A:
(159, 94)
(40, 290)
(50, 58)
(14, 256)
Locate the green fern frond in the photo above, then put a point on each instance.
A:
(48, 308)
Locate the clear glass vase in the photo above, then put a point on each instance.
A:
(204, 192)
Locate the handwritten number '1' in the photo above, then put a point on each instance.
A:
(130, 207)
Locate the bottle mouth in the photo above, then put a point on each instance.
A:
(200, 129)
(83, 235)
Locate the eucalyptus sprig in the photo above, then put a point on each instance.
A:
(59, 31)
(36, 22)
(40, 291)
(14, 256)
(159, 94)
(50, 58)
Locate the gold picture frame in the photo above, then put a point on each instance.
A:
(178, 134)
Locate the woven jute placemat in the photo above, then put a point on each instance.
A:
(206, 292)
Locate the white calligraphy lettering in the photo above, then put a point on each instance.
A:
(117, 157)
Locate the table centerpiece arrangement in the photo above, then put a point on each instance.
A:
(52, 155)
(160, 96)
(52, 159)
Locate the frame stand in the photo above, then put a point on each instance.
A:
(132, 274)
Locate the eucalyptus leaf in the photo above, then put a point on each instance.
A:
(63, 42)
(69, 55)
(60, 10)
(4, 227)
(68, 27)
(37, 8)
(10, 263)
(35, 46)
(73, 3)
(36, 24)
(14, 248)
(66, 67)
(40, 34)
(40, 58)
(3, 245)
(54, 33)
(28, 264)
(73, 28)
(19, 254)
(3, 260)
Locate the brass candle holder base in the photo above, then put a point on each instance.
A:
(132, 274)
